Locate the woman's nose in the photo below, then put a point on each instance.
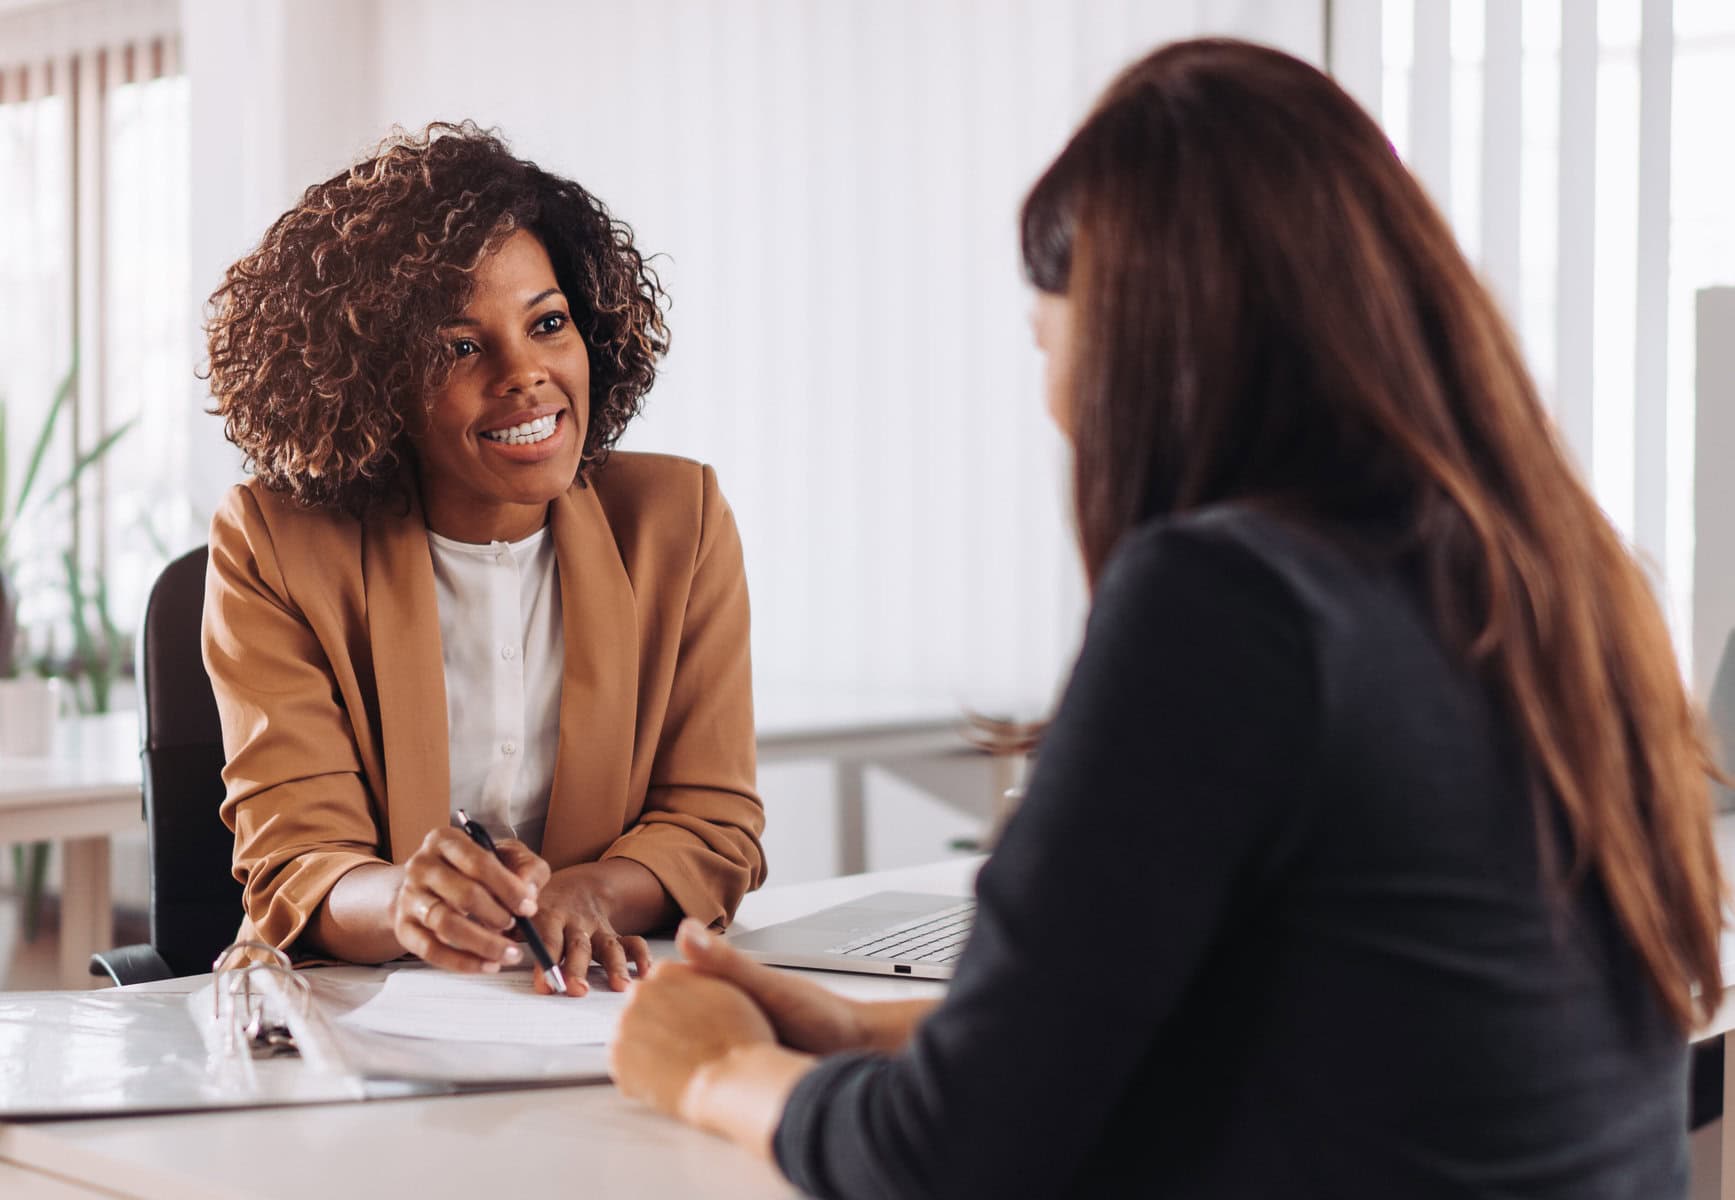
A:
(520, 371)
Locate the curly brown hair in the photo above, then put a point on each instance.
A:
(324, 339)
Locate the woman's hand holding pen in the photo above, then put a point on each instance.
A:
(458, 901)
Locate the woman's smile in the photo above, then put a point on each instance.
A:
(528, 437)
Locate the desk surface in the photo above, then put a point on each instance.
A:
(587, 1140)
(22, 1183)
(92, 758)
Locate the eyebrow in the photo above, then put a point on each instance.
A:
(528, 304)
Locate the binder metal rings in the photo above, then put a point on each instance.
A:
(241, 1006)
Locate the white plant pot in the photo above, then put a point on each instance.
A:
(29, 707)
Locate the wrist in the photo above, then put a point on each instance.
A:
(887, 1025)
(740, 1095)
(859, 1027)
(355, 921)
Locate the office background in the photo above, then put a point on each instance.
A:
(833, 187)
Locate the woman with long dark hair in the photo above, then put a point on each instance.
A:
(1369, 853)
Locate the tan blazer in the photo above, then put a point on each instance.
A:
(322, 639)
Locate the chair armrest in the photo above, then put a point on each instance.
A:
(130, 964)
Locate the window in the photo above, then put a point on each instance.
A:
(94, 234)
(1576, 146)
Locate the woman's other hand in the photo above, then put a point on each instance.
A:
(457, 903)
(807, 1017)
(678, 1021)
(579, 916)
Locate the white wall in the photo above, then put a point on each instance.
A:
(835, 186)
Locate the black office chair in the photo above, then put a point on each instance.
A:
(195, 905)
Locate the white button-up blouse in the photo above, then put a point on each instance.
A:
(503, 650)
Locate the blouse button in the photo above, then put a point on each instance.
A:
(508, 652)
(508, 748)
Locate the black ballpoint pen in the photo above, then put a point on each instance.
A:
(538, 951)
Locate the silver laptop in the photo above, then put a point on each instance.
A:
(887, 933)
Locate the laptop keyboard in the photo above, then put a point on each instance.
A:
(936, 938)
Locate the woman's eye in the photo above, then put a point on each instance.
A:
(552, 323)
(464, 348)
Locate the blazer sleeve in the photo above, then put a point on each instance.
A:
(699, 830)
(295, 797)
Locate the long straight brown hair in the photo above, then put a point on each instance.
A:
(1266, 307)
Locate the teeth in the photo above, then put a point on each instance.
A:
(525, 434)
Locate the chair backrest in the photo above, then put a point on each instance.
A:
(1720, 712)
(195, 900)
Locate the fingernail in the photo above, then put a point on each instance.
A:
(512, 954)
(491, 967)
(701, 937)
(528, 908)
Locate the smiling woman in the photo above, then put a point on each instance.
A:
(441, 590)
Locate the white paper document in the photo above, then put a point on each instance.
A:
(428, 1003)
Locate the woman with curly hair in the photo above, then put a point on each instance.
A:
(440, 590)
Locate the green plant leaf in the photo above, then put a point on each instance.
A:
(3, 480)
(103, 672)
(90, 457)
(46, 435)
(83, 647)
(35, 878)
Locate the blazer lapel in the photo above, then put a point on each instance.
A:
(409, 672)
(587, 809)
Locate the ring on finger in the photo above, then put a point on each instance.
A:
(427, 909)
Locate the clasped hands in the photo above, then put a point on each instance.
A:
(457, 904)
(719, 1040)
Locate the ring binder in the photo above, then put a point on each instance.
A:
(259, 1033)
(241, 1013)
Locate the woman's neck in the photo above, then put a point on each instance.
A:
(480, 525)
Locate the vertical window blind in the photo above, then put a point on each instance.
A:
(1573, 145)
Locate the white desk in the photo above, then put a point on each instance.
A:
(854, 730)
(88, 789)
(581, 1140)
(22, 1183)
(85, 791)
